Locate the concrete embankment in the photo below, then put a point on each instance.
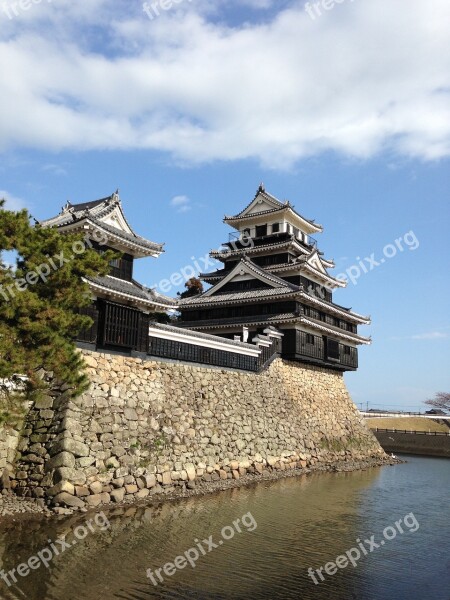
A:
(414, 443)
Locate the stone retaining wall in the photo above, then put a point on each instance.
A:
(9, 440)
(146, 427)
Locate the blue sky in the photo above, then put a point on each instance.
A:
(347, 115)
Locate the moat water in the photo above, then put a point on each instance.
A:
(284, 528)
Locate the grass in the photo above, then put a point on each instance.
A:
(408, 423)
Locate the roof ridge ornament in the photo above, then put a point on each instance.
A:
(261, 189)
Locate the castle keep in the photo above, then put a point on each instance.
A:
(275, 275)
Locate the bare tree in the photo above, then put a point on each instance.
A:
(441, 400)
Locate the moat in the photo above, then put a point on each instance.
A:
(285, 527)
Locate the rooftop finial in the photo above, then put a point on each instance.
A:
(261, 187)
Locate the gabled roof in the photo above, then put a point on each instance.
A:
(107, 216)
(265, 204)
(248, 267)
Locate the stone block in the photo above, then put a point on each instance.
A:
(96, 487)
(118, 495)
(190, 470)
(70, 445)
(63, 459)
(44, 403)
(67, 500)
(166, 478)
(141, 494)
(75, 476)
(150, 481)
(94, 500)
(130, 414)
(62, 486)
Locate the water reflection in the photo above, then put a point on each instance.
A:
(302, 522)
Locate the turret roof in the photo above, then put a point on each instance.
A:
(101, 214)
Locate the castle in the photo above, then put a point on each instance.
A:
(275, 275)
(274, 285)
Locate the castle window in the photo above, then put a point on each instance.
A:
(310, 339)
(122, 267)
(261, 230)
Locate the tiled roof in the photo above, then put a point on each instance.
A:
(219, 274)
(197, 334)
(279, 206)
(335, 308)
(335, 331)
(241, 296)
(263, 212)
(95, 211)
(232, 322)
(71, 213)
(132, 289)
(133, 238)
(262, 248)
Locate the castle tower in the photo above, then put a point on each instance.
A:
(121, 307)
(274, 275)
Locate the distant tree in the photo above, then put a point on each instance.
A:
(40, 296)
(193, 287)
(441, 400)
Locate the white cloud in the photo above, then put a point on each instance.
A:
(55, 169)
(181, 203)
(431, 335)
(364, 78)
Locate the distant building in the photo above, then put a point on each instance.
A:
(274, 275)
(121, 307)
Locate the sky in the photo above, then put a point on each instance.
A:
(343, 108)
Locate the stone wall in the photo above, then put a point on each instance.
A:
(9, 438)
(147, 426)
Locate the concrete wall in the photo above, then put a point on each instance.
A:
(414, 443)
(146, 426)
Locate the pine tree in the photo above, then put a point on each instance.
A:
(40, 297)
(193, 286)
